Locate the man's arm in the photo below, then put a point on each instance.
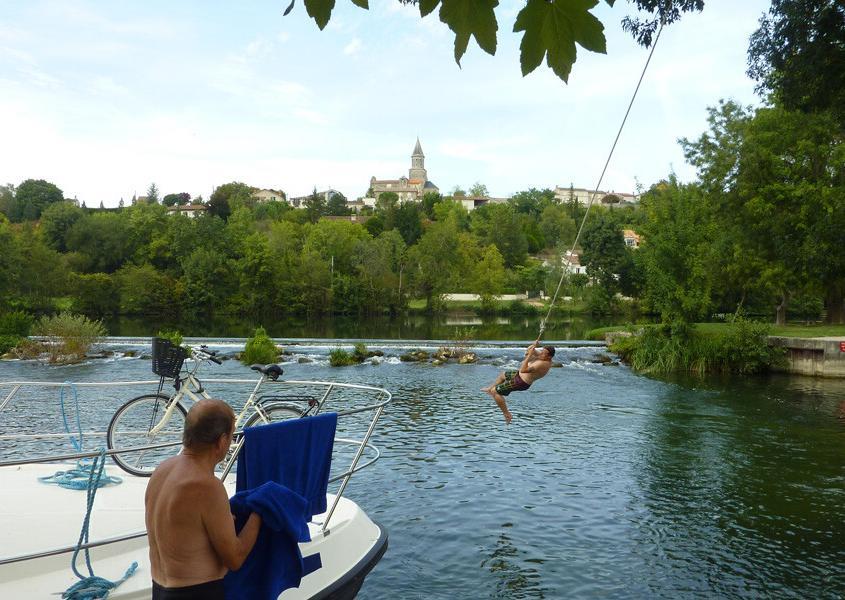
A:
(232, 548)
(529, 356)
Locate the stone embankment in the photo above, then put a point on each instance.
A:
(819, 357)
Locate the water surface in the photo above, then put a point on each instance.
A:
(606, 485)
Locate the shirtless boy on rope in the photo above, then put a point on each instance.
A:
(192, 535)
(534, 366)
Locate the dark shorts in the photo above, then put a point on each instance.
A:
(512, 383)
(210, 590)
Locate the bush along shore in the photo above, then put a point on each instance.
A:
(680, 347)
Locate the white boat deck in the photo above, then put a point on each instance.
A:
(37, 518)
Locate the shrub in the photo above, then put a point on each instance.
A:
(341, 358)
(679, 347)
(67, 337)
(745, 348)
(359, 353)
(518, 307)
(7, 342)
(16, 323)
(174, 337)
(260, 349)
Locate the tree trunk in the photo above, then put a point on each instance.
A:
(780, 314)
(834, 304)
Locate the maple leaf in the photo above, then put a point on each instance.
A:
(466, 19)
(552, 28)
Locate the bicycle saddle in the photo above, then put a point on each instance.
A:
(271, 371)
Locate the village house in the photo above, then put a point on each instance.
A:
(299, 201)
(269, 195)
(632, 239)
(191, 211)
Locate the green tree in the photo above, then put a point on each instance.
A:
(179, 199)
(532, 201)
(557, 226)
(56, 220)
(432, 260)
(408, 222)
(146, 291)
(798, 54)
(488, 277)
(499, 224)
(776, 176)
(7, 200)
(152, 194)
(679, 252)
(478, 190)
(32, 197)
(336, 205)
(428, 203)
(95, 294)
(604, 255)
(315, 206)
(103, 238)
(208, 280)
(229, 196)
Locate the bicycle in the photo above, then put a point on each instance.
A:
(157, 418)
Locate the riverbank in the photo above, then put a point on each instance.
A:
(742, 347)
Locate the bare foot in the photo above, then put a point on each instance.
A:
(487, 389)
(508, 418)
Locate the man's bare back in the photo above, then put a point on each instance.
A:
(181, 553)
(190, 527)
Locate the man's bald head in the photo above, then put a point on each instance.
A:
(206, 422)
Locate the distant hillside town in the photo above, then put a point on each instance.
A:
(410, 188)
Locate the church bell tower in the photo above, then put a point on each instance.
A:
(417, 170)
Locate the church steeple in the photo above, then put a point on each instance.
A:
(417, 170)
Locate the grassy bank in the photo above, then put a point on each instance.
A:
(739, 347)
(788, 330)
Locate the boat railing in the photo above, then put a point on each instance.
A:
(378, 398)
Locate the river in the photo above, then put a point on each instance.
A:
(607, 484)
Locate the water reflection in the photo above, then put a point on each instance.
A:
(748, 482)
(515, 578)
(421, 327)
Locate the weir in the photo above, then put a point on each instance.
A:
(819, 357)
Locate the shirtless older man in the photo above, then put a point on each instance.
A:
(190, 528)
(534, 366)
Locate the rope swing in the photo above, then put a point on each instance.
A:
(598, 184)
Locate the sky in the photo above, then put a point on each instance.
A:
(103, 98)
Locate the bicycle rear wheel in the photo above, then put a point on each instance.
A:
(132, 425)
(272, 412)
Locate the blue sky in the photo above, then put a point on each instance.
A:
(104, 97)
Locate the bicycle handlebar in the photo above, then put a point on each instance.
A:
(204, 354)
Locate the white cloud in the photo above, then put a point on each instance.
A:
(352, 47)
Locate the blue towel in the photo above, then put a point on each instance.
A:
(275, 563)
(296, 453)
(283, 472)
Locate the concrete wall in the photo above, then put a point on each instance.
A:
(821, 357)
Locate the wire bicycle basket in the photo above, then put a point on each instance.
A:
(167, 358)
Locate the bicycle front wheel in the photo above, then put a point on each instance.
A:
(276, 411)
(139, 423)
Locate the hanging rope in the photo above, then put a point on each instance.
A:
(598, 184)
(78, 478)
(92, 587)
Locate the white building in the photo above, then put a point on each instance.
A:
(191, 211)
(582, 196)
